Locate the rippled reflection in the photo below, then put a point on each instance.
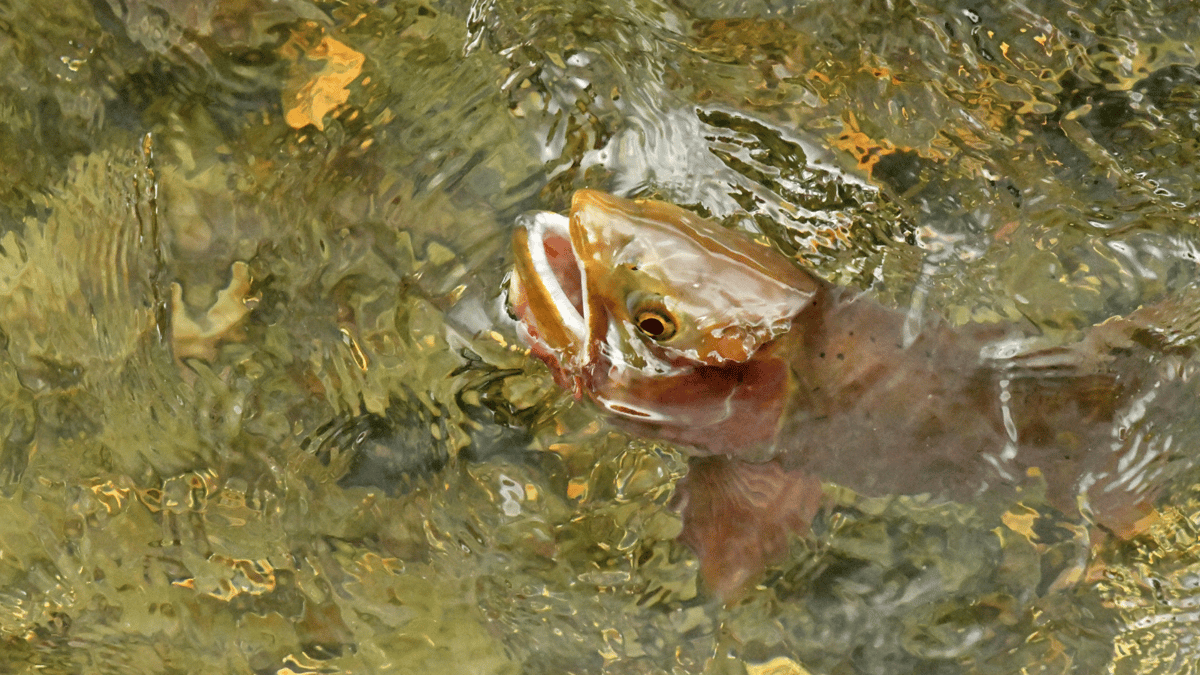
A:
(261, 409)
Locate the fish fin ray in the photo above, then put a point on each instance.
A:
(739, 516)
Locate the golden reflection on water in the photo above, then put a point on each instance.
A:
(1155, 583)
(308, 97)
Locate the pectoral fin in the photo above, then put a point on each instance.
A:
(737, 517)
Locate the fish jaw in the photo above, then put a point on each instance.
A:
(548, 297)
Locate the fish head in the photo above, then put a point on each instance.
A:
(652, 311)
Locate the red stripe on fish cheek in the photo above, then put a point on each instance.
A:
(716, 410)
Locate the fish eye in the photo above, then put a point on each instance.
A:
(657, 324)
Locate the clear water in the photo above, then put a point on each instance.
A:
(259, 412)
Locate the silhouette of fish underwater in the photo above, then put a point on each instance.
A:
(774, 380)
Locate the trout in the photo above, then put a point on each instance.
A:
(774, 380)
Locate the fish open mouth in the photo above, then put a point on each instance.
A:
(547, 292)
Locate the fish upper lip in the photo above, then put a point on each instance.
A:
(537, 225)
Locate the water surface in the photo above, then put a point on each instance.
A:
(260, 410)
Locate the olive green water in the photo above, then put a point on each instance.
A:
(260, 411)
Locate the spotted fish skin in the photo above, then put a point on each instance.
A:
(772, 378)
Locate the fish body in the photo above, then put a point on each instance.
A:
(772, 378)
